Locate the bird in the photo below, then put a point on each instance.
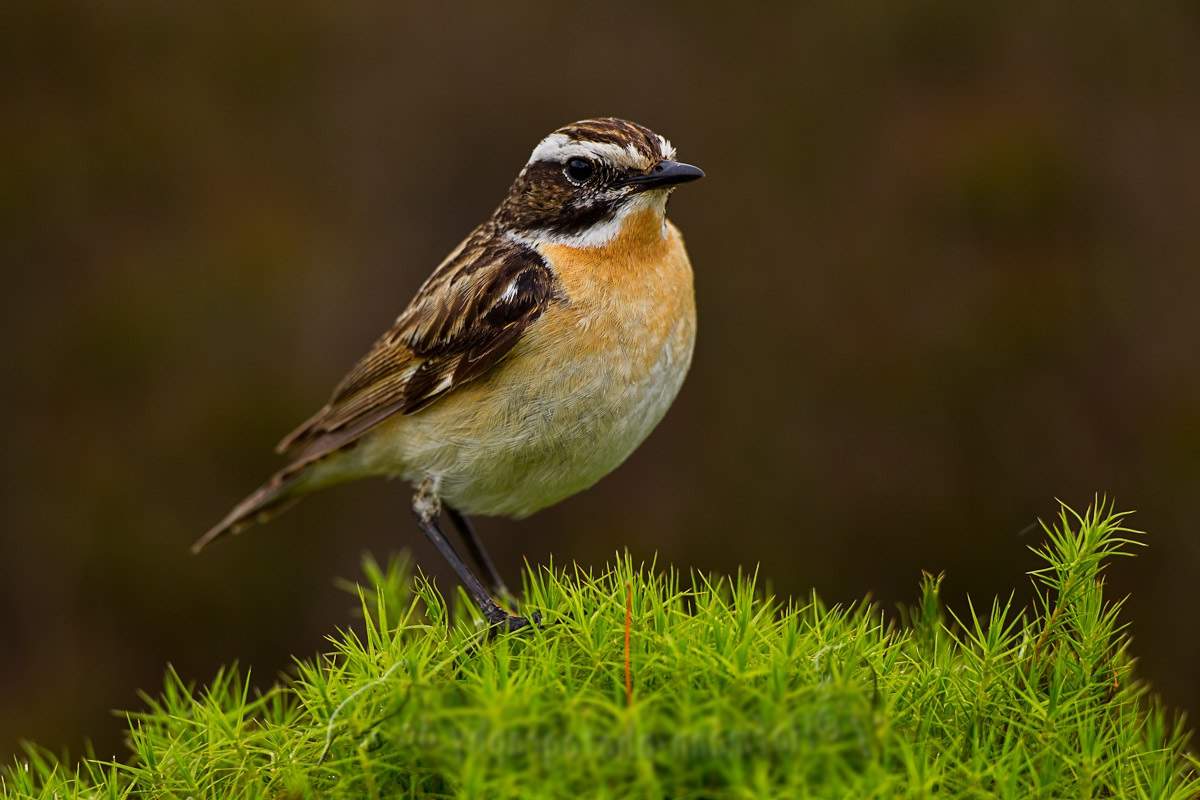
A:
(532, 362)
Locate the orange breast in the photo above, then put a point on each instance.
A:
(626, 298)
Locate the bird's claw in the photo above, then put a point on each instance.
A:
(503, 622)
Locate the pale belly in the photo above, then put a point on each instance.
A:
(529, 437)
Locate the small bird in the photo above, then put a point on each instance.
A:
(538, 355)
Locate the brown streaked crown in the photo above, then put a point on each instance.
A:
(610, 130)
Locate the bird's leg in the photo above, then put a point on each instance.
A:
(480, 554)
(427, 506)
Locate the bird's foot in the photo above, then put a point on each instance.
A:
(501, 621)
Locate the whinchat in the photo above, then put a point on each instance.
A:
(538, 355)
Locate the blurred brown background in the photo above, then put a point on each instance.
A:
(946, 263)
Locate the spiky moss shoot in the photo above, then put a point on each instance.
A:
(735, 694)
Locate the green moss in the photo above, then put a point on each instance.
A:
(735, 694)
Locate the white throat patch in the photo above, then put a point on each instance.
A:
(604, 231)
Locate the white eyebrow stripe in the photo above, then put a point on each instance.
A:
(558, 147)
(665, 147)
(549, 147)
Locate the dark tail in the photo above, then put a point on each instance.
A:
(271, 499)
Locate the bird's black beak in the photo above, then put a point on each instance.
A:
(666, 173)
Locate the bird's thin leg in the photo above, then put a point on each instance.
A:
(478, 552)
(427, 507)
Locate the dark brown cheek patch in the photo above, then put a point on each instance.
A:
(543, 199)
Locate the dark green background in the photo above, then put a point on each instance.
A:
(946, 266)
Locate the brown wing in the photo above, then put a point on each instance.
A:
(462, 322)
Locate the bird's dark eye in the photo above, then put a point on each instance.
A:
(578, 170)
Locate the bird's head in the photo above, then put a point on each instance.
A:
(585, 178)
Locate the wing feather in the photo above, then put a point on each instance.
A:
(463, 321)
